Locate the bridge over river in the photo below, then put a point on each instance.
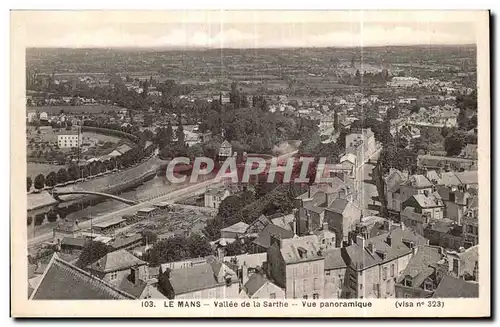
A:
(56, 194)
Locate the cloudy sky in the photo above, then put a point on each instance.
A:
(248, 29)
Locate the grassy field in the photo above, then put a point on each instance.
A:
(40, 168)
(73, 109)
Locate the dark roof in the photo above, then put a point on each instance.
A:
(64, 281)
(194, 278)
(419, 266)
(451, 287)
(254, 283)
(117, 260)
(70, 241)
(123, 242)
(136, 290)
(360, 258)
(264, 238)
(258, 225)
(333, 259)
(338, 205)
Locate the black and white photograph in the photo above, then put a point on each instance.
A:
(319, 160)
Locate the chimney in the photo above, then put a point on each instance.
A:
(134, 275)
(220, 253)
(360, 240)
(244, 277)
(389, 240)
(325, 226)
(295, 223)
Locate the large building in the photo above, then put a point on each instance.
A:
(298, 266)
(69, 140)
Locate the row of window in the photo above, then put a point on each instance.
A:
(304, 284)
(305, 270)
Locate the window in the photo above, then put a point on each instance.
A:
(407, 295)
(315, 284)
(327, 272)
(113, 275)
(315, 268)
(323, 241)
(305, 297)
(408, 282)
(384, 273)
(455, 266)
(306, 270)
(272, 295)
(360, 287)
(315, 296)
(304, 285)
(392, 270)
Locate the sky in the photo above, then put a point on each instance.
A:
(248, 29)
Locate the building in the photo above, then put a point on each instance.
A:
(71, 245)
(225, 150)
(72, 140)
(326, 237)
(445, 233)
(464, 263)
(66, 229)
(147, 212)
(116, 265)
(373, 264)
(470, 231)
(402, 81)
(429, 204)
(109, 226)
(451, 287)
(362, 145)
(421, 276)
(214, 196)
(335, 272)
(297, 265)
(234, 231)
(211, 280)
(342, 216)
(127, 243)
(263, 241)
(64, 281)
(257, 286)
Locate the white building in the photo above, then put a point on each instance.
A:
(69, 140)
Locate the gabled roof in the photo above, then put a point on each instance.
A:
(258, 225)
(467, 177)
(300, 249)
(419, 267)
(192, 279)
(116, 260)
(284, 222)
(264, 238)
(420, 181)
(451, 287)
(333, 259)
(64, 281)
(431, 201)
(255, 283)
(360, 258)
(123, 242)
(239, 227)
(226, 144)
(136, 290)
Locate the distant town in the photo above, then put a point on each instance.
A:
(398, 217)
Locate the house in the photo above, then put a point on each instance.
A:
(470, 231)
(140, 289)
(326, 238)
(147, 212)
(127, 243)
(108, 226)
(263, 241)
(225, 150)
(64, 281)
(214, 196)
(414, 220)
(373, 263)
(71, 140)
(455, 202)
(422, 274)
(258, 286)
(335, 271)
(234, 231)
(439, 178)
(70, 245)
(392, 184)
(211, 280)
(429, 204)
(451, 287)
(297, 265)
(116, 265)
(342, 216)
(470, 151)
(257, 226)
(468, 179)
(68, 229)
(445, 233)
(285, 222)
(464, 263)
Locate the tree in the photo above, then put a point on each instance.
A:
(180, 132)
(62, 176)
(39, 182)
(236, 248)
(73, 172)
(454, 143)
(150, 236)
(198, 246)
(195, 151)
(50, 180)
(92, 252)
(52, 215)
(148, 120)
(29, 182)
(167, 250)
